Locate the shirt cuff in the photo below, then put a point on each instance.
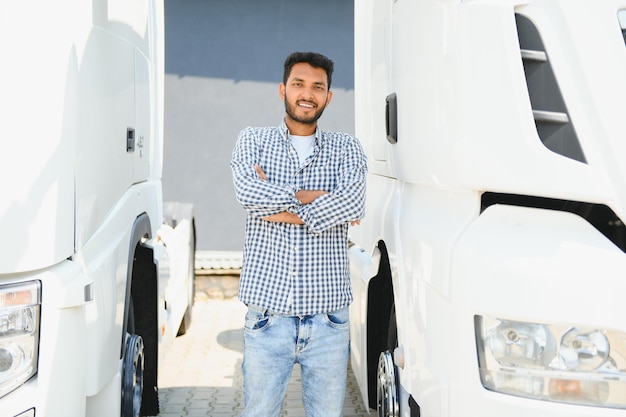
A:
(304, 213)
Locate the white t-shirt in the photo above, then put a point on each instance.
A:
(303, 146)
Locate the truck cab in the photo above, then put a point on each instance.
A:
(488, 272)
(96, 273)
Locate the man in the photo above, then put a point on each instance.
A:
(302, 188)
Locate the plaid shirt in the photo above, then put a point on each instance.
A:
(290, 268)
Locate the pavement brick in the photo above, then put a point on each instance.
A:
(201, 375)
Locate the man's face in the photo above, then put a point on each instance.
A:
(306, 93)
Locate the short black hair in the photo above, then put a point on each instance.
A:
(314, 59)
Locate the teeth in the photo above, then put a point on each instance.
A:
(305, 105)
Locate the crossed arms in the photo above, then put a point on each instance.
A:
(305, 197)
(278, 200)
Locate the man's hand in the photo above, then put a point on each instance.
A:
(307, 196)
(284, 217)
(260, 172)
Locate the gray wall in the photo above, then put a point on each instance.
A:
(223, 66)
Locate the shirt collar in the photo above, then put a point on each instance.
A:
(319, 137)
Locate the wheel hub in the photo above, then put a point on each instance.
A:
(132, 379)
(387, 387)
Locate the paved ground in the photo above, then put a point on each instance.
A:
(201, 376)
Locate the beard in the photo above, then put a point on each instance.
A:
(291, 112)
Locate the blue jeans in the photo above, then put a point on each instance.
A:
(274, 343)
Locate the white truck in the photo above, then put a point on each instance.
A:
(489, 273)
(96, 272)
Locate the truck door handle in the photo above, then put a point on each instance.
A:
(391, 118)
(130, 139)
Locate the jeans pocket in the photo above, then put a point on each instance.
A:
(256, 321)
(338, 318)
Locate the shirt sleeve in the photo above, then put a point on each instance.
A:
(344, 204)
(259, 197)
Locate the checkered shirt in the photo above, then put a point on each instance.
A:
(289, 268)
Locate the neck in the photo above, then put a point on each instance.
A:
(300, 129)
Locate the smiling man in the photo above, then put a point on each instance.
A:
(302, 188)
(309, 95)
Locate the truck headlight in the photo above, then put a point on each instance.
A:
(19, 333)
(582, 350)
(562, 363)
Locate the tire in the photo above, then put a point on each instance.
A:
(387, 382)
(392, 334)
(132, 379)
(144, 304)
(130, 324)
(387, 387)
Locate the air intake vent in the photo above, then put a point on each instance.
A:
(553, 123)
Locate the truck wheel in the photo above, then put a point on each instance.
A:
(132, 378)
(387, 378)
(387, 387)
